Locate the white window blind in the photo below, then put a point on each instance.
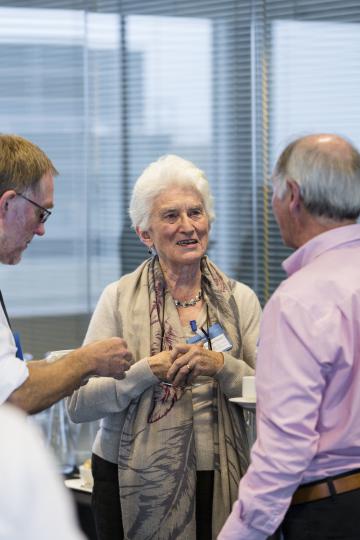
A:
(106, 87)
(307, 74)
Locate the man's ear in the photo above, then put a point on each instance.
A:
(5, 199)
(295, 199)
(144, 237)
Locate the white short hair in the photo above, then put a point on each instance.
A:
(168, 171)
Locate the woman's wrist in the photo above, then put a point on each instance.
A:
(219, 362)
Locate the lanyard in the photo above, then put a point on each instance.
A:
(207, 331)
(19, 352)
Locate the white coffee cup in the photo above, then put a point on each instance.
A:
(248, 387)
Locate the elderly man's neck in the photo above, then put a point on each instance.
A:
(315, 225)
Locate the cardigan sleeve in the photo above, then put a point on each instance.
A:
(234, 369)
(101, 396)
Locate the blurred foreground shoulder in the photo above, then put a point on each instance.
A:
(34, 500)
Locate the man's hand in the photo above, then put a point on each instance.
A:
(49, 382)
(108, 357)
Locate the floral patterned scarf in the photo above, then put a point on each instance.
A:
(157, 463)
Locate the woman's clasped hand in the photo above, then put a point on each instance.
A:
(182, 365)
(190, 361)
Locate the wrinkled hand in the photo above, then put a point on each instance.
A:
(190, 361)
(109, 357)
(160, 364)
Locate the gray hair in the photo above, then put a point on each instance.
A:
(168, 171)
(326, 167)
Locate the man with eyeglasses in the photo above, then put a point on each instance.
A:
(26, 196)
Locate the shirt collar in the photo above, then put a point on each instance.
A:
(319, 244)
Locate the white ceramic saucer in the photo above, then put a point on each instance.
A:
(245, 402)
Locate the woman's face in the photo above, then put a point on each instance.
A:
(179, 227)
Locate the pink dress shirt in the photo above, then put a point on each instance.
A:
(308, 382)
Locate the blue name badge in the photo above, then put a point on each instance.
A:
(219, 340)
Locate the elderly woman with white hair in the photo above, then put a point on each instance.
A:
(171, 448)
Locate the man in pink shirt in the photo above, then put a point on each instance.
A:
(304, 477)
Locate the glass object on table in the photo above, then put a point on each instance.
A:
(70, 442)
(86, 433)
(62, 437)
(61, 432)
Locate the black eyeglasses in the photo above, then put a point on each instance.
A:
(44, 213)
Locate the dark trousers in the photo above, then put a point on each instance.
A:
(333, 518)
(106, 501)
